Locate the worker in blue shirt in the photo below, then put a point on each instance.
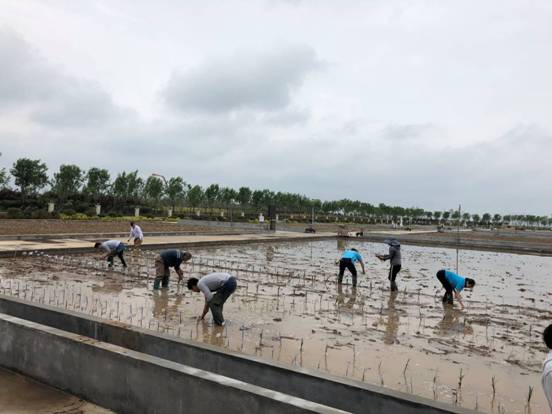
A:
(454, 283)
(347, 261)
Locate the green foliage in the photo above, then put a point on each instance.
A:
(128, 186)
(4, 178)
(176, 190)
(67, 181)
(14, 213)
(211, 194)
(195, 196)
(244, 195)
(97, 182)
(154, 188)
(30, 175)
(227, 196)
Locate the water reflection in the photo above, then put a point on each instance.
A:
(392, 322)
(161, 306)
(454, 321)
(213, 334)
(346, 300)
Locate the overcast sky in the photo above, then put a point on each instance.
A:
(412, 103)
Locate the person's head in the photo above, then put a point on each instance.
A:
(97, 244)
(469, 283)
(354, 250)
(192, 284)
(547, 336)
(186, 256)
(131, 224)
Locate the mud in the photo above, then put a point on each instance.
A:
(288, 308)
(21, 395)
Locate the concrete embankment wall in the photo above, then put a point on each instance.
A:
(131, 382)
(345, 394)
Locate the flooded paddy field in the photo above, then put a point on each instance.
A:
(288, 308)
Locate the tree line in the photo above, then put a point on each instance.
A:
(96, 185)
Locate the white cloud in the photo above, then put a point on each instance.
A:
(419, 102)
(263, 80)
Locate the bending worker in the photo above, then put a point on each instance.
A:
(394, 258)
(136, 234)
(454, 283)
(164, 261)
(217, 288)
(112, 248)
(347, 261)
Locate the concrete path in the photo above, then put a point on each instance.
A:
(15, 247)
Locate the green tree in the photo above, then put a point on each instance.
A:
(486, 218)
(211, 194)
(176, 190)
(195, 196)
(227, 196)
(4, 178)
(437, 215)
(68, 180)
(476, 219)
(97, 182)
(30, 175)
(128, 185)
(497, 218)
(244, 196)
(154, 189)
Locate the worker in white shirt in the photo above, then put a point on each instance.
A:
(217, 288)
(112, 248)
(136, 234)
(547, 367)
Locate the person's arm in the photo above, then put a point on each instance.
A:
(362, 265)
(547, 387)
(205, 310)
(458, 297)
(180, 273)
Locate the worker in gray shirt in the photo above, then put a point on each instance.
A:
(112, 248)
(394, 258)
(217, 288)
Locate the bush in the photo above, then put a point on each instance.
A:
(90, 211)
(14, 213)
(68, 212)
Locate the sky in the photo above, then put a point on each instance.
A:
(425, 103)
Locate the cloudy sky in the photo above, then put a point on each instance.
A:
(416, 103)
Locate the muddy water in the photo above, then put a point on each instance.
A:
(405, 340)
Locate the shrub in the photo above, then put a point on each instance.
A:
(14, 213)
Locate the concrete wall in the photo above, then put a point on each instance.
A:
(325, 389)
(255, 227)
(131, 382)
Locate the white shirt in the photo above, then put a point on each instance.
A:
(547, 379)
(110, 245)
(136, 233)
(212, 282)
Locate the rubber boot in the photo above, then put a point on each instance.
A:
(394, 287)
(156, 283)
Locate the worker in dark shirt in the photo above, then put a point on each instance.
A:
(394, 258)
(164, 261)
